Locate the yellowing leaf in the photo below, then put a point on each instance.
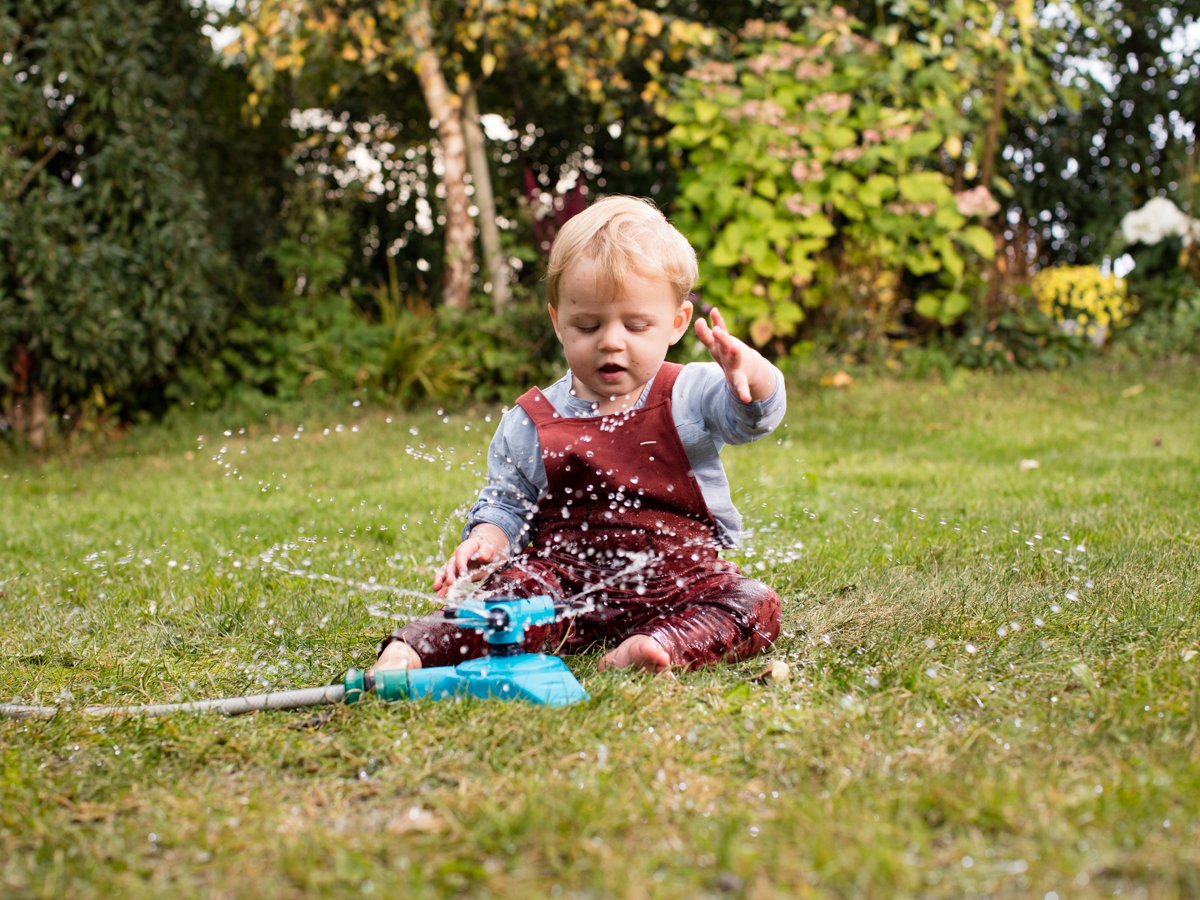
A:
(762, 331)
(487, 64)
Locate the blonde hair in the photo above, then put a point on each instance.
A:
(623, 235)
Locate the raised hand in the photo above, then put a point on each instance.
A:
(747, 372)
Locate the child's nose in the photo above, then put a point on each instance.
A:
(612, 337)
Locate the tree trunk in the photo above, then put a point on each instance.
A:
(28, 417)
(991, 140)
(445, 107)
(485, 201)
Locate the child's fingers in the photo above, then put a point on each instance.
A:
(467, 551)
(457, 565)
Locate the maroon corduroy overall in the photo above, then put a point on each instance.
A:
(623, 531)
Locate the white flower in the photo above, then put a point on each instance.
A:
(1158, 219)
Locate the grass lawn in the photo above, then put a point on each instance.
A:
(990, 616)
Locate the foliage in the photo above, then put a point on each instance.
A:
(409, 354)
(443, 356)
(1013, 338)
(108, 259)
(1171, 326)
(814, 161)
(1094, 300)
(581, 48)
(417, 355)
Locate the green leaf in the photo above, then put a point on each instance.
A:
(759, 251)
(950, 257)
(924, 187)
(769, 264)
(929, 305)
(922, 261)
(839, 137)
(706, 111)
(876, 189)
(947, 217)
(954, 305)
(802, 264)
(696, 192)
(945, 308)
(816, 225)
(978, 239)
(923, 143)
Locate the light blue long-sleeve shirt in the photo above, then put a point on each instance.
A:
(707, 415)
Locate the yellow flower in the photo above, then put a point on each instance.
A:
(1083, 294)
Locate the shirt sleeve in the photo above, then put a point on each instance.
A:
(707, 395)
(516, 480)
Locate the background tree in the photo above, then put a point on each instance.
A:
(606, 54)
(107, 256)
(1077, 169)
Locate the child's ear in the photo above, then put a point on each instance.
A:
(554, 321)
(683, 318)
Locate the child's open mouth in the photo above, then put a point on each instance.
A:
(611, 372)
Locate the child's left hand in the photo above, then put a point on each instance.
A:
(747, 372)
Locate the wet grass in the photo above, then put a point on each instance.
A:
(995, 665)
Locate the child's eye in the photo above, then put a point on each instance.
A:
(637, 326)
(587, 329)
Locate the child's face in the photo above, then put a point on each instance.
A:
(615, 335)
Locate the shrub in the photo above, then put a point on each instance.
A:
(812, 179)
(106, 257)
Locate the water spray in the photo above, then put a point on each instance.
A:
(505, 673)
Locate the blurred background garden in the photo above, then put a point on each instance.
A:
(252, 204)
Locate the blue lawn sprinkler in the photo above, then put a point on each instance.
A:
(506, 673)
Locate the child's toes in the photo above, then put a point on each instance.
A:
(638, 652)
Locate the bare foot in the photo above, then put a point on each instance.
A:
(639, 652)
(397, 655)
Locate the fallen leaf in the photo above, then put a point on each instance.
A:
(839, 379)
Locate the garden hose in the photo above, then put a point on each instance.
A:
(228, 706)
(505, 673)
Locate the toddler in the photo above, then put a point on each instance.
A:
(606, 490)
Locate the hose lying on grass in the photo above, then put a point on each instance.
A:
(228, 706)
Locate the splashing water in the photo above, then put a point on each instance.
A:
(774, 549)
